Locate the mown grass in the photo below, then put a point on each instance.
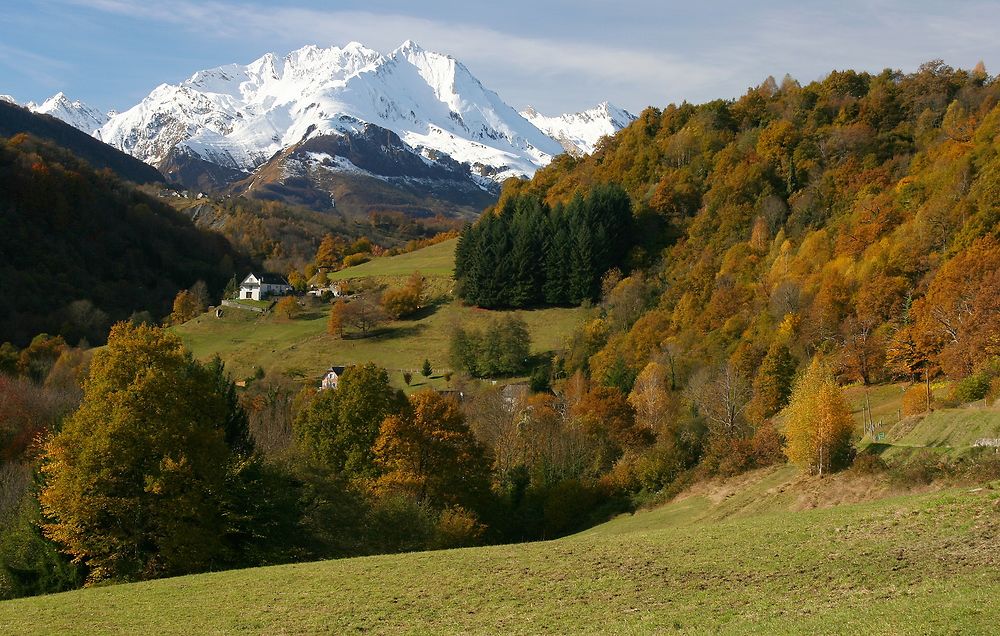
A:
(912, 564)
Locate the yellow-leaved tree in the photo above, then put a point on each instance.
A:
(135, 481)
(818, 422)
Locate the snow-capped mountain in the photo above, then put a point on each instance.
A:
(240, 116)
(260, 127)
(75, 113)
(579, 132)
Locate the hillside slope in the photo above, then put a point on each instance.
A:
(81, 249)
(301, 348)
(911, 564)
(15, 120)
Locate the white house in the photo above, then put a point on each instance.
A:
(260, 286)
(332, 378)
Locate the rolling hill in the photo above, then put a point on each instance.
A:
(82, 249)
(15, 120)
(301, 348)
(917, 563)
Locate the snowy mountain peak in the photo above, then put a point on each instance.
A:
(240, 116)
(580, 132)
(409, 46)
(74, 113)
(7, 98)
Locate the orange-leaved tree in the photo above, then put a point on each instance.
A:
(428, 452)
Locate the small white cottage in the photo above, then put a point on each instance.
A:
(261, 286)
(332, 378)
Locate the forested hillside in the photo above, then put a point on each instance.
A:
(81, 249)
(854, 219)
(15, 119)
(856, 216)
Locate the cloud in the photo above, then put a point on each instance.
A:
(637, 52)
(516, 65)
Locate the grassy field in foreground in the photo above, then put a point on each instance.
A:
(912, 564)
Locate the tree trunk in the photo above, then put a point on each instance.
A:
(927, 385)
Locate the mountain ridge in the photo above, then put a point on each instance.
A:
(240, 116)
(234, 129)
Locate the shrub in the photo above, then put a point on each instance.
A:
(503, 349)
(868, 464)
(994, 393)
(766, 445)
(972, 388)
(399, 523)
(923, 468)
(31, 564)
(457, 528)
(287, 307)
(356, 259)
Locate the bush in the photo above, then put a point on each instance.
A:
(399, 523)
(502, 350)
(921, 469)
(868, 464)
(30, 563)
(287, 307)
(994, 393)
(766, 445)
(457, 528)
(984, 384)
(356, 259)
(972, 388)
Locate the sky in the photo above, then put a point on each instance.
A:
(556, 55)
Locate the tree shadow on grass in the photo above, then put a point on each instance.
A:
(425, 312)
(388, 333)
(310, 315)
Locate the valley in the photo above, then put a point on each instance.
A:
(352, 338)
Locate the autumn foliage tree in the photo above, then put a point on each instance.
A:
(339, 426)
(429, 453)
(961, 310)
(363, 312)
(404, 301)
(818, 420)
(287, 307)
(335, 322)
(135, 480)
(649, 396)
(772, 384)
(185, 307)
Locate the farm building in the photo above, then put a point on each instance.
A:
(261, 286)
(332, 378)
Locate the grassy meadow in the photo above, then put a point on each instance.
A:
(744, 557)
(435, 260)
(300, 347)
